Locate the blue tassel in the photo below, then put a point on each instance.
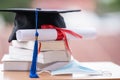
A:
(34, 61)
(33, 73)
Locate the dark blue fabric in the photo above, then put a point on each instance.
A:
(33, 73)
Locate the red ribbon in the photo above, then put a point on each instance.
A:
(61, 35)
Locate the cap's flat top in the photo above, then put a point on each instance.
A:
(33, 10)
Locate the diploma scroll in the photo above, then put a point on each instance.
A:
(51, 34)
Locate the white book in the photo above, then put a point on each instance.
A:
(43, 57)
(23, 44)
(21, 65)
(54, 56)
(46, 45)
(57, 68)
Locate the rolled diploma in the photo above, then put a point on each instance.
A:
(51, 34)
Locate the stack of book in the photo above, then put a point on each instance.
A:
(53, 55)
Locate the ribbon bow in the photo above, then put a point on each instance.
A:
(61, 34)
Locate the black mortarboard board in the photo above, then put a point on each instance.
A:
(25, 19)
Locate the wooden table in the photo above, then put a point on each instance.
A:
(110, 67)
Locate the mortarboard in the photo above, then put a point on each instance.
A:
(24, 18)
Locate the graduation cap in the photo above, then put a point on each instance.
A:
(25, 18)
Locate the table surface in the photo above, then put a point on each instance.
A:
(112, 73)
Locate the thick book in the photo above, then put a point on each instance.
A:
(23, 44)
(43, 57)
(24, 65)
(45, 45)
(58, 68)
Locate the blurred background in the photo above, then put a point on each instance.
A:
(103, 15)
